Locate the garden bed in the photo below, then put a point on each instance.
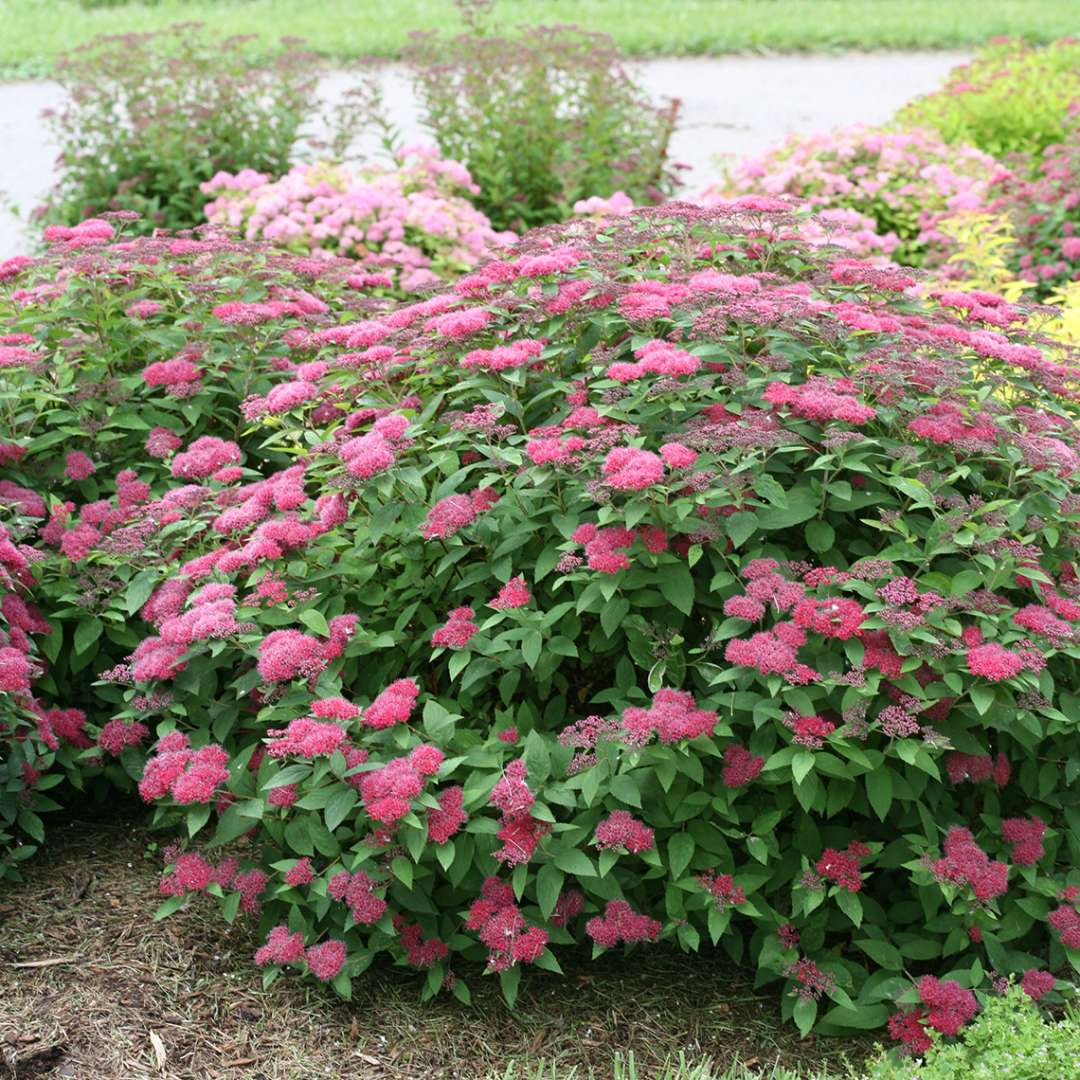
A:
(104, 983)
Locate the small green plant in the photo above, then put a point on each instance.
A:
(150, 117)
(1010, 1040)
(541, 120)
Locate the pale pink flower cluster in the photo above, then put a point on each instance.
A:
(412, 222)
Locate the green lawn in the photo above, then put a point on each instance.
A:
(36, 30)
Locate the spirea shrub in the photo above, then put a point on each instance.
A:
(668, 578)
(541, 120)
(409, 226)
(1011, 98)
(904, 182)
(150, 117)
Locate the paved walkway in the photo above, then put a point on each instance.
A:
(735, 105)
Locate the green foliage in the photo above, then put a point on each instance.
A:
(1012, 98)
(1009, 1040)
(541, 120)
(150, 117)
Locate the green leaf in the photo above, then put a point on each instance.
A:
(820, 536)
(802, 764)
(883, 953)
(531, 646)
(508, 982)
(861, 1018)
(549, 883)
(613, 614)
(758, 849)
(337, 809)
(86, 633)
(741, 526)
(298, 836)
(850, 904)
(139, 589)
(982, 697)
(168, 907)
(315, 621)
(537, 757)
(677, 586)
(575, 862)
(231, 825)
(402, 869)
(768, 488)
(879, 790)
(680, 851)
(438, 721)
(805, 1014)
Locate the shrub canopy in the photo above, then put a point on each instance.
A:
(667, 577)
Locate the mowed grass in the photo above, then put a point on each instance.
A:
(91, 987)
(36, 31)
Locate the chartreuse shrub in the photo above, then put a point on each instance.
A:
(1009, 1040)
(150, 117)
(666, 578)
(1011, 98)
(542, 119)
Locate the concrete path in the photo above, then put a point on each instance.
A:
(735, 105)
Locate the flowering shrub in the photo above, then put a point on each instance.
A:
(1011, 98)
(668, 578)
(150, 117)
(904, 182)
(542, 120)
(409, 226)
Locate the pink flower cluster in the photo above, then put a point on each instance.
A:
(519, 831)
(655, 358)
(723, 890)
(965, 863)
(946, 1007)
(620, 923)
(514, 594)
(842, 867)
(1065, 919)
(451, 514)
(1026, 836)
(740, 766)
(502, 927)
(388, 790)
(821, 400)
(188, 775)
(672, 717)
(445, 822)
(420, 952)
(393, 706)
(408, 226)
(978, 768)
(620, 829)
(356, 891)
(457, 631)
